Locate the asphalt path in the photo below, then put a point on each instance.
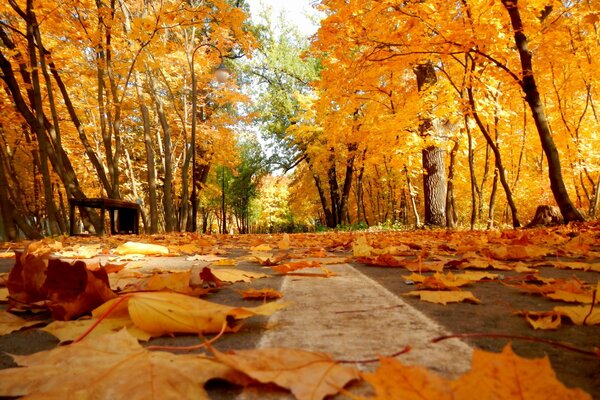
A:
(361, 313)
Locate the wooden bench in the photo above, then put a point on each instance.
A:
(127, 220)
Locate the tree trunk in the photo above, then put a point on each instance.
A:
(497, 156)
(434, 186)
(434, 166)
(532, 96)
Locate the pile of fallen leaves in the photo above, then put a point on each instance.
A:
(102, 303)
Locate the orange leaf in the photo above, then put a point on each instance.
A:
(261, 294)
(393, 380)
(309, 375)
(444, 297)
(508, 376)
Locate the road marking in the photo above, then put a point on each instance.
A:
(352, 317)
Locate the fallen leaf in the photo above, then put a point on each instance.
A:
(268, 260)
(225, 262)
(308, 375)
(68, 289)
(113, 366)
(393, 380)
(261, 294)
(141, 248)
(237, 275)
(261, 247)
(162, 313)
(545, 320)
(298, 265)
(579, 314)
(444, 297)
(209, 279)
(507, 376)
(11, 323)
(68, 331)
(284, 243)
(80, 252)
(361, 248)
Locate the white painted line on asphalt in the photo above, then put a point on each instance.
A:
(352, 317)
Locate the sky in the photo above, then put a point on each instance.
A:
(295, 11)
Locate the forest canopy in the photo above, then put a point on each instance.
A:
(395, 113)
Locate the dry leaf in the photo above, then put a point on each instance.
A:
(545, 320)
(141, 248)
(261, 247)
(508, 376)
(67, 331)
(11, 323)
(81, 252)
(237, 275)
(68, 289)
(579, 314)
(444, 297)
(115, 367)
(261, 294)
(284, 243)
(393, 380)
(162, 313)
(308, 375)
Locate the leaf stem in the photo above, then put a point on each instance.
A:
(594, 293)
(191, 348)
(102, 317)
(554, 343)
(374, 360)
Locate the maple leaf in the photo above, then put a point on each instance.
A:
(113, 366)
(141, 248)
(507, 376)
(444, 297)
(298, 265)
(269, 260)
(393, 380)
(447, 281)
(68, 331)
(11, 323)
(160, 313)
(580, 315)
(308, 375)
(237, 275)
(545, 320)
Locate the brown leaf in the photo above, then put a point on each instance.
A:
(261, 294)
(309, 375)
(113, 366)
(69, 289)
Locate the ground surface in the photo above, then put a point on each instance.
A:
(362, 312)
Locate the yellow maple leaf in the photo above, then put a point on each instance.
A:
(141, 248)
(580, 315)
(394, 380)
(507, 376)
(545, 320)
